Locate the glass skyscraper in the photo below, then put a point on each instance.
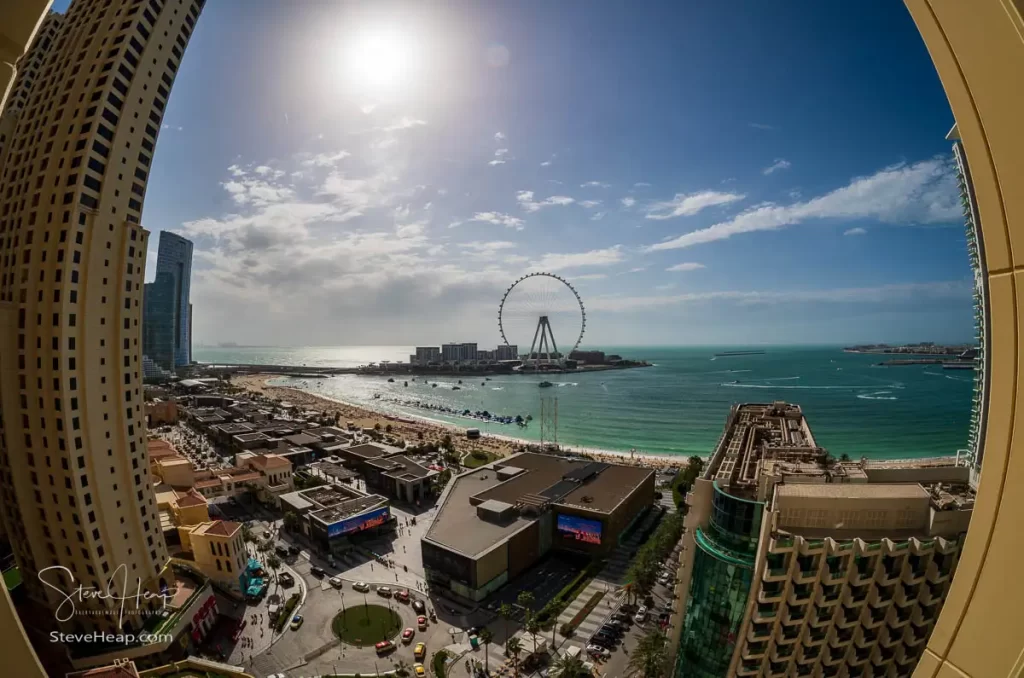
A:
(167, 326)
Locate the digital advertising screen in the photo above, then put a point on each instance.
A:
(359, 523)
(579, 529)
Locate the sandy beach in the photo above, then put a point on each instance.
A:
(415, 429)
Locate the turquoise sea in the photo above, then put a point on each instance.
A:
(679, 405)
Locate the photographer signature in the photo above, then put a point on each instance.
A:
(119, 579)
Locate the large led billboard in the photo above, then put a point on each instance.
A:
(359, 523)
(579, 529)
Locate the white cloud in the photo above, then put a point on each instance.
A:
(257, 192)
(779, 164)
(325, 159)
(500, 152)
(598, 216)
(911, 292)
(176, 128)
(590, 276)
(499, 219)
(589, 203)
(546, 163)
(499, 136)
(236, 171)
(595, 184)
(627, 201)
(493, 163)
(638, 269)
(683, 205)
(404, 122)
(487, 248)
(922, 193)
(526, 201)
(757, 125)
(662, 288)
(686, 266)
(367, 108)
(642, 184)
(855, 231)
(602, 257)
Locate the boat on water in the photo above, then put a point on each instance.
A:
(405, 383)
(456, 388)
(391, 380)
(433, 386)
(460, 381)
(482, 383)
(958, 366)
(487, 378)
(545, 384)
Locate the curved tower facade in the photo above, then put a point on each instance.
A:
(74, 474)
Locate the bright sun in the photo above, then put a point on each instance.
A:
(380, 61)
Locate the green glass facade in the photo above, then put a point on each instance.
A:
(723, 571)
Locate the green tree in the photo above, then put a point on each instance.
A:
(506, 613)
(402, 668)
(650, 657)
(533, 628)
(376, 427)
(273, 562)
(486, 637)
(291, 521)
(567, 666)
(844, 457)
(513, 646)
(387, 429)
(526, 600)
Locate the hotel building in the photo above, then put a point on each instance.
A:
(74, 481)
(167, 322)
(798, 564)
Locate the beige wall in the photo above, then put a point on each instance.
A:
(978, 50)
(220, 558)
(19, 21)
(491, 564)
(867, 515)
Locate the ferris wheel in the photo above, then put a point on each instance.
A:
(530, 311)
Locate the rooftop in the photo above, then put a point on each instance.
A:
(347, 509)
(302, 439)
(249, 437)
(541, 481)
(219, 528)
(367, 451)
(853, 491)
(403, 467)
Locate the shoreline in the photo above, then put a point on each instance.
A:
(417, 428)
(411, 426)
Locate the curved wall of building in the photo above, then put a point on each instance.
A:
(723, 570)
(978, 50)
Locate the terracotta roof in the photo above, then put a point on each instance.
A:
(223, 528)
(244, 477)
(269, 461)
(213, 482)
(125, 670)
(190, 498)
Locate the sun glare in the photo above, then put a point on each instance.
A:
(381, 60)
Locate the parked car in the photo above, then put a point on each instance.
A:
(604, 640)
(384, 591)
(613, 631)
(408, 634)
(622, 617)
(641, 615)
(296, 622)
(421, 621)
(384, 646)
(285, 579)
(598, 651)
(402, 596)
(420, 652)
(419, 670)
(336, 582)
(419, 607)
(281, 550)
(294, 550)
(317, 571)
(361, 586)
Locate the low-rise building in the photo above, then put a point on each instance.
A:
(496, 521)
(217, 549)
(333, 517)
(161, 411)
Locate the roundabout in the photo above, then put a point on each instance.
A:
(365, 625)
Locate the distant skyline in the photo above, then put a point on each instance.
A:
(378, 173)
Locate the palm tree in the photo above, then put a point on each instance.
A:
(486, 637)
(525, 600)
(513, 647)
(402, 668)
(532, 627)
(650, 657)
(273, 562)
(567, 666)
(506, 612)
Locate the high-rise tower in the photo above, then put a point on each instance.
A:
(174, 265)
(74, 472)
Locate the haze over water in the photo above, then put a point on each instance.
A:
(679, 405)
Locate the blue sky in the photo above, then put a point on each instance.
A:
(357, 173)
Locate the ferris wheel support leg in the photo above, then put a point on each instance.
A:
(554, 345)
(533, 345)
